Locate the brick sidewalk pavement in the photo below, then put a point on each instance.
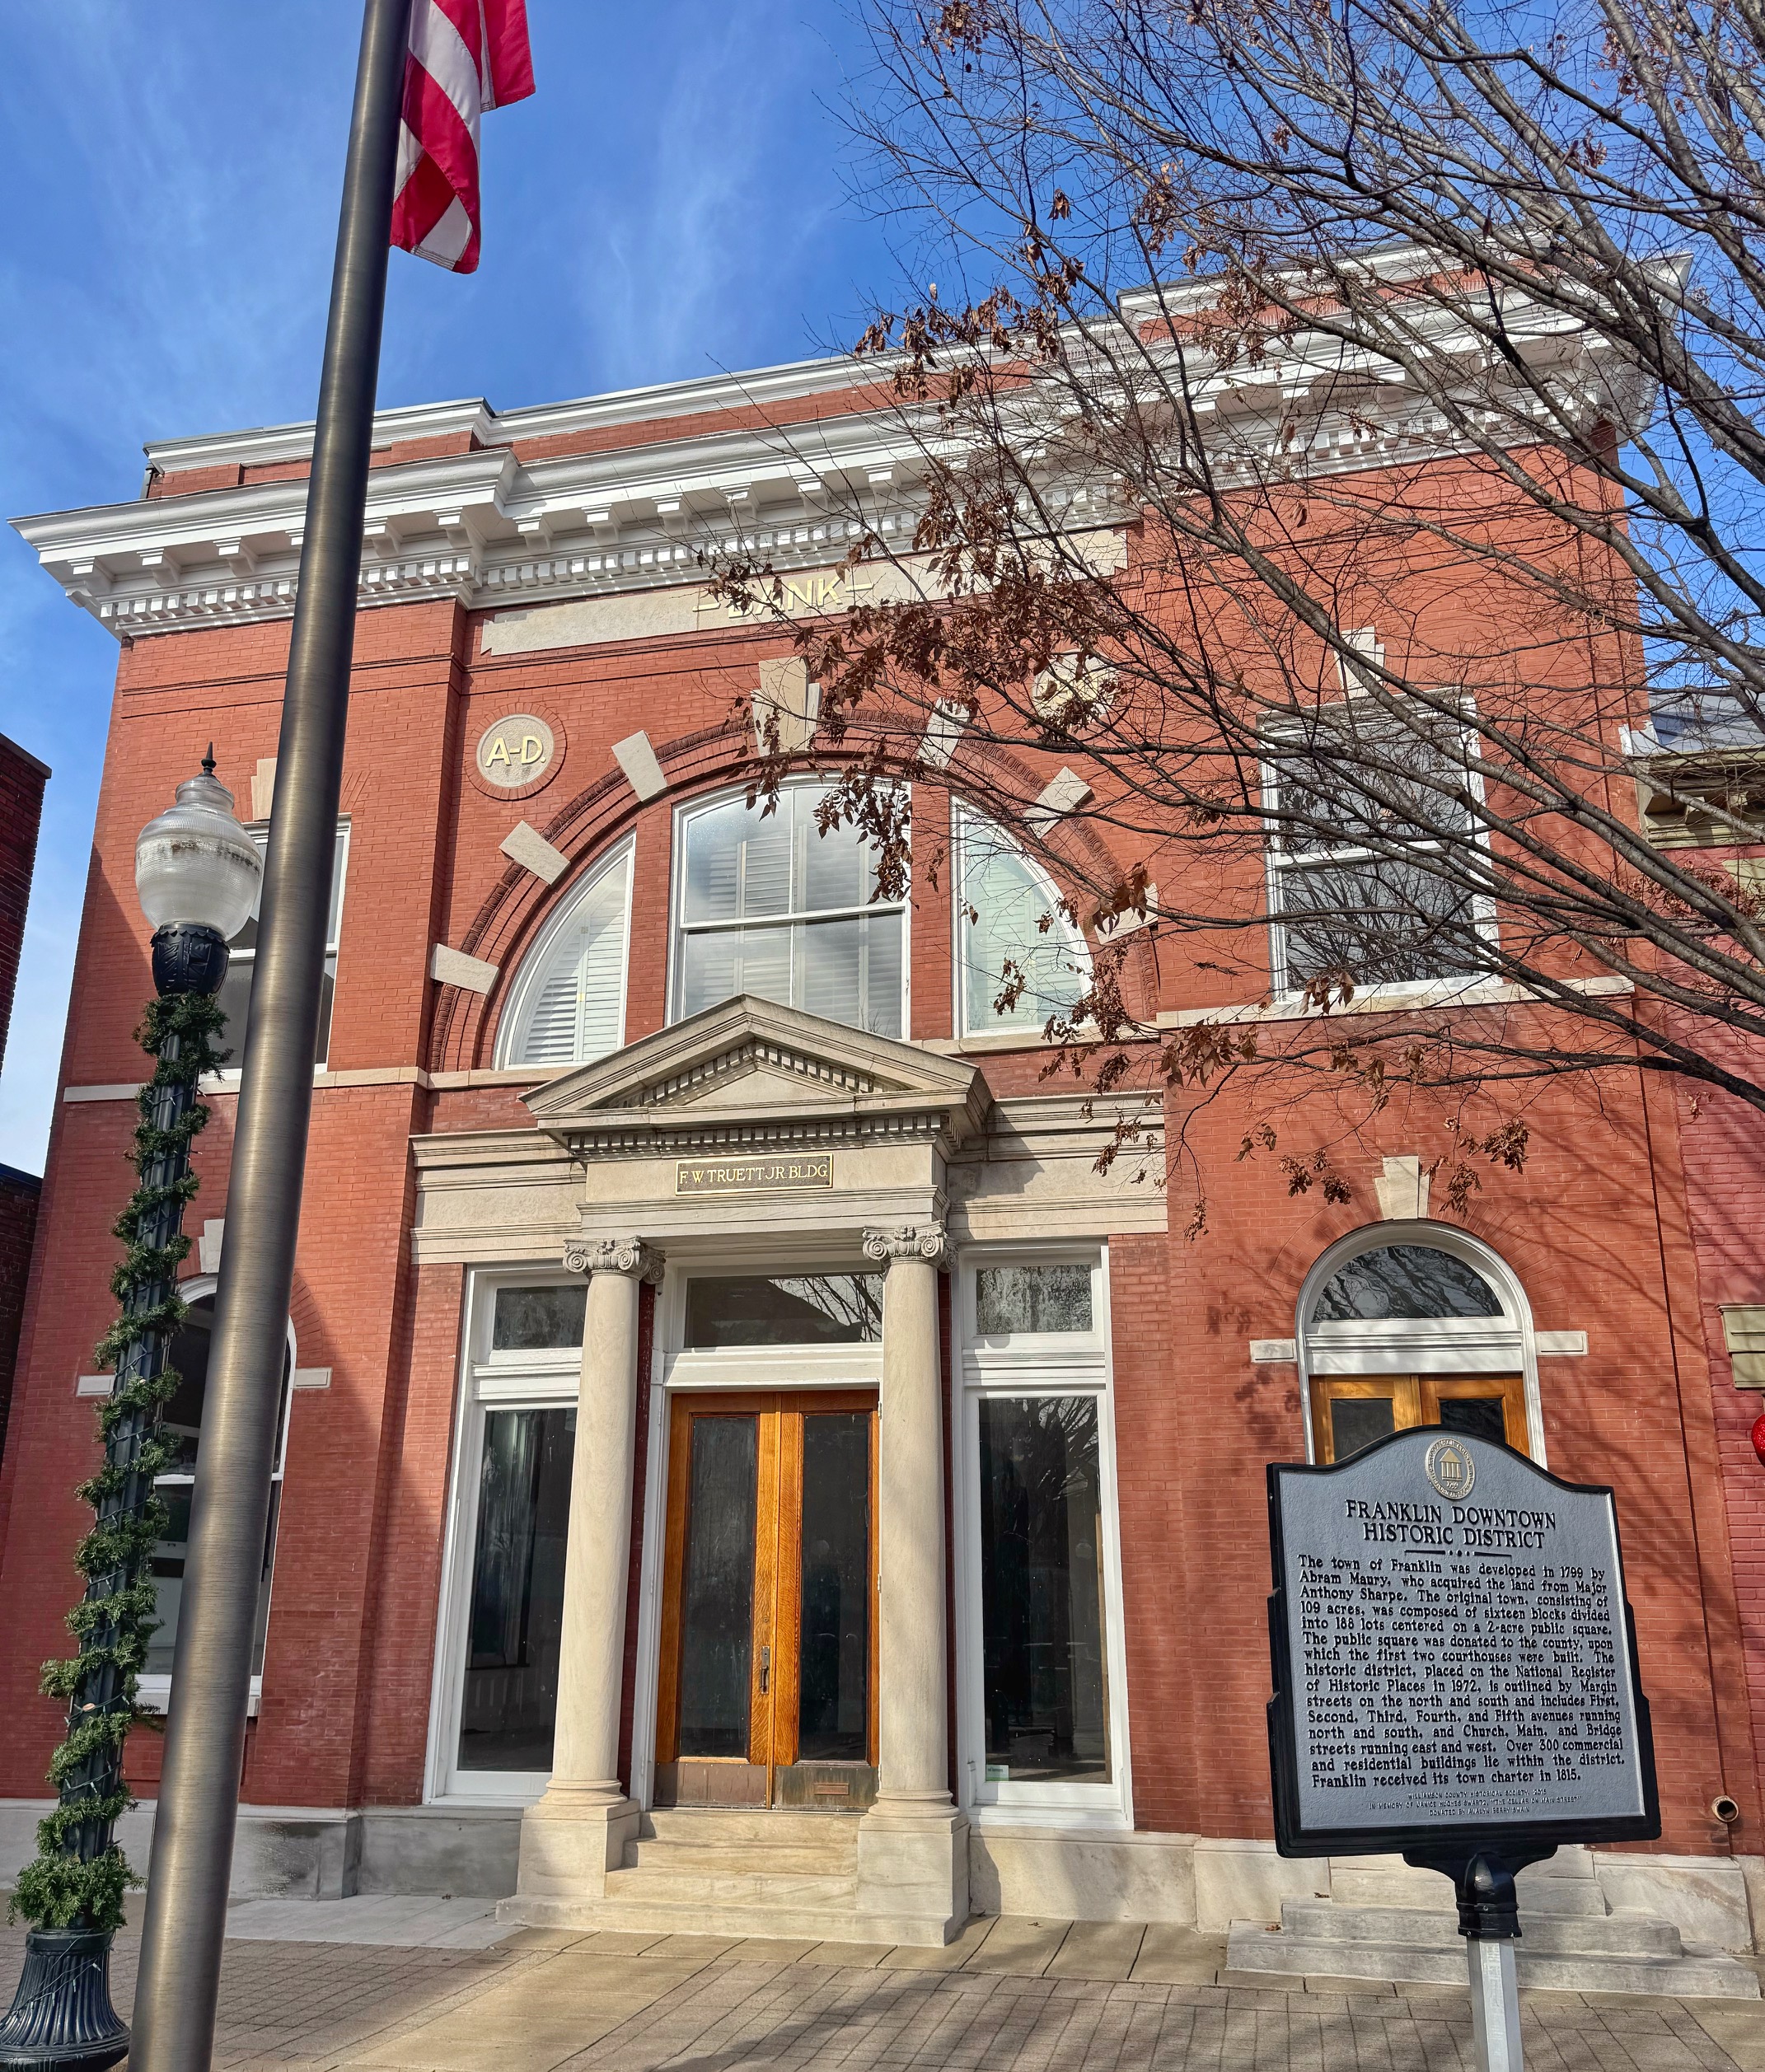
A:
(618, 2003)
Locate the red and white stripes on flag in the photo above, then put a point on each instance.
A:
(465, 56)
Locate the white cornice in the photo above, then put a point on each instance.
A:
(659, 403)
(485, 529)
(267, 444)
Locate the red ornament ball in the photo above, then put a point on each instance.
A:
(1758, 1437)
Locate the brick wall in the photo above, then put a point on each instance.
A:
(19, 1195)
(1723, 1162)
(1598, 1229)
(22, 779)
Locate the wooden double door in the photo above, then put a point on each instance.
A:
(768, 1686)
(1350, 1411)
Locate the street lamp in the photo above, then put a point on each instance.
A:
(197, 873)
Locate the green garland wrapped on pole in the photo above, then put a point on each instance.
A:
(72, 1892)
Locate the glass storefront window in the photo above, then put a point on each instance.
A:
(516, 1614)
(1044, 1670)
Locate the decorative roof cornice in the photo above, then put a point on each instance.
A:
(658, 402)
(484, 527)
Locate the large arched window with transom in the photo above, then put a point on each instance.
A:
(1019, 959)
(569, 1002)
(770, 904)
(1413, 1325)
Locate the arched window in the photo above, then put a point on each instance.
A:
(1412, 1325)
(568, 1003)
(1011, 935)
(768, 904)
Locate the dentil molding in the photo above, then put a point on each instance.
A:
(486, 528)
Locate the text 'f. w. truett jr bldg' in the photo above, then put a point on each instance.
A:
(746, 1464)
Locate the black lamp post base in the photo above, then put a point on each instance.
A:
(61, 2019)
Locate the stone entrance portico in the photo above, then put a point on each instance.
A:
(756, 1126)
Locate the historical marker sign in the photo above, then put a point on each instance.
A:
(1454, 1659)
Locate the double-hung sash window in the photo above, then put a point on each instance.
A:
(181, 1427)
(1370, 833)
(771, 905)
(1041, 1702)
(241, 962)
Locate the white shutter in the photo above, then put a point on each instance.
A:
(1010, 897)
(571, 1009)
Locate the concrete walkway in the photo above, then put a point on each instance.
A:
(403, 1988)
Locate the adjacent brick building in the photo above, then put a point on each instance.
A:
(648, 1148)
(22, 779)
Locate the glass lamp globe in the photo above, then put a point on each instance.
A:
(195, 865)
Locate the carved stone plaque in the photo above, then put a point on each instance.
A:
(752, 1175)
(1453, 1654)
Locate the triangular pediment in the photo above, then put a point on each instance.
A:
(748, 1056)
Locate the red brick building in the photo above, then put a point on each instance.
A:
(22, 779)
(649, 1152)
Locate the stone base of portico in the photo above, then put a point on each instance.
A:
(913, 1871)
(899, 1875)
(569, 1840)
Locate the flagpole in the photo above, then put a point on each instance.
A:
(199, 1796)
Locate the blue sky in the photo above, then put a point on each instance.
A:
(675, 199)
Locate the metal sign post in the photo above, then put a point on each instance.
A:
(1455, 1679)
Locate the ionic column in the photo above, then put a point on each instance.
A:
(913, 1844)
(914, 1750)
(578, 1831)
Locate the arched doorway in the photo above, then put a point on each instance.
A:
(1408, 1324)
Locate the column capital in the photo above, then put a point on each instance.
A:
(927, 1242)
(633, 1256)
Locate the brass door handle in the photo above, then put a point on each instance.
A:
(765, 1670)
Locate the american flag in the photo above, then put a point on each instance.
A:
(465, 56)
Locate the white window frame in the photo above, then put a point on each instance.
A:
(1042, 1363)
(533, 964)
(526, 1381)
(995, 1024)
(1504, 1344)
(259, 833)
(153, 1693)
(679, 930)
(1277, 865)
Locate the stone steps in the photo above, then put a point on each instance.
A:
(1563, 1883)
(785, 1826)
(1255, 1953)
(734, 1884)
(1563, 1948)
(1540, 1934)
(704, 1872)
